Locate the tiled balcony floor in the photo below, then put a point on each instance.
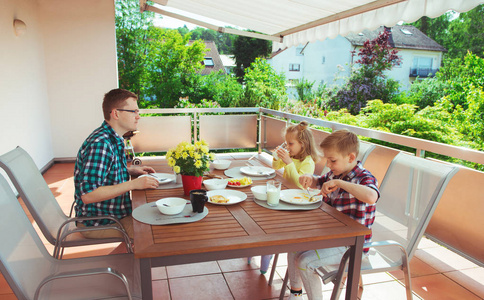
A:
(437, 273)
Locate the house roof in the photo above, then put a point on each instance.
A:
(404, 37)
(215, 56)
(294, 22)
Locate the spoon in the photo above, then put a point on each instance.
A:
(164, 204)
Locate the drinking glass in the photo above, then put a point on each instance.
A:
(283, 146)
(273, 192)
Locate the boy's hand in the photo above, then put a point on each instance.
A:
(330, 186)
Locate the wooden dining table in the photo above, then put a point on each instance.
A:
(241, 230)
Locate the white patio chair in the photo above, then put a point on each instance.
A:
(58, 229)
(363, 153)
(409, 194)
(32, 273)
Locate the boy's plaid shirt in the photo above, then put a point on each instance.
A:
(343, 201)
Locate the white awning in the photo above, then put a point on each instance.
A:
(293, 22)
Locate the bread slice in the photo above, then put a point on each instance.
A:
(219, 199)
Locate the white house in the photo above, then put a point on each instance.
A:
(328, 61)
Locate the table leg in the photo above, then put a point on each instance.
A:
(146, 281)
(354, 269)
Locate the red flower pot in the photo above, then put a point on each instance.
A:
(191, 183)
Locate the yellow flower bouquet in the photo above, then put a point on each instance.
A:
(190, 159)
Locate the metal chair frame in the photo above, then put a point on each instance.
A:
(58, 229)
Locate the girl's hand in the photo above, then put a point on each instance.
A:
(284, 155)
(306, 180)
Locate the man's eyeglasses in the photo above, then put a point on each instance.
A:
(135, 111)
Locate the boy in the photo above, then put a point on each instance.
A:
(349, 188)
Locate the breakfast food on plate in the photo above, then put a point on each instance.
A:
(219, 199)
(302, 197)
(240, 181)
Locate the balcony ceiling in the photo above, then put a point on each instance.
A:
(293, 22)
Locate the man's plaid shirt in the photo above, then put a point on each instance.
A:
(343, 201)
(101, 161)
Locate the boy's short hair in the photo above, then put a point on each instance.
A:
(115, 99)
(343, 141)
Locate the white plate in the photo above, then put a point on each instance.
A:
(299, 197)
(233, 196)
(162, 177)
(237, 186)
(257, 171)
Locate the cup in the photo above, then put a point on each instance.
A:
(198, 199)
(273, 192)
(282, 146)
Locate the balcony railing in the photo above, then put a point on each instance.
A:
(456, 222)
(423, 72)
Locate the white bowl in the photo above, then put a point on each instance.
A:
(171, 206)
(259, 192)
(221, 164)
(215, 184)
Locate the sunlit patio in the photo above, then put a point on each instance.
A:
(437, 273)
(53, 79)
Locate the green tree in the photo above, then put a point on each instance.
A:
(304, 89)
(172, 63)
(132, 42)
(246, 50)
(367, 81)
(466, 33)
(263, 86)
(223, 41)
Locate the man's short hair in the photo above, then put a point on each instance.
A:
(115, 99)
(343, 141)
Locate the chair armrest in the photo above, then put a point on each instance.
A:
(329, 273)
(88, 272)
(61, 234)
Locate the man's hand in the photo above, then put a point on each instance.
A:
(140, 170)
(145, 182)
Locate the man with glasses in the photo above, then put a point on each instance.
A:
(101, 174)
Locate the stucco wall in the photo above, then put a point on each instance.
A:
(54, 76)
(24, 104)
(80, 56)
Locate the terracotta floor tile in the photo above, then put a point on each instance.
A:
(384, 291)
(417, 268)
(443, 260)
(161, 290)
(8, 297)
(238, 264)
(208, 287)
(4, 287)
(439, 287)
(252, 285)
(471, 279)
(210, 267)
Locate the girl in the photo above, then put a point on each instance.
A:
(298, 157)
